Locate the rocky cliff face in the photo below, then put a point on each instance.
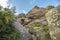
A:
(34, 13)
(36, 24)
(53, 18)
(38, 12)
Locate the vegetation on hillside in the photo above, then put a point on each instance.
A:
(7, 28)
(36, 28)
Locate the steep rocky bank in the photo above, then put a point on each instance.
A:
(42, 23)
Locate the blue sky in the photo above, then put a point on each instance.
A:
(23, 6)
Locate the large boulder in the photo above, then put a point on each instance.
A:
(25, 35)
(53, 18)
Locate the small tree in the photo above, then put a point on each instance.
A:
(7, 28)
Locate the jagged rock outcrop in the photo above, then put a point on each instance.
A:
(21, 18)
(36, 12)
(25, 35)
(53, 18)
(36, 8)
(36, 23)
(48, 8)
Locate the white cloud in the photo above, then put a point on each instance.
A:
(24, 11)
(4, 3)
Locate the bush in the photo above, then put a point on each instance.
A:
(7, 28)
(36, 28)
(46, 28)
(31, 27)
(47, 37)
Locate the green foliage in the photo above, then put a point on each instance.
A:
(33, 25)
(47, 37)
(35, 29)
(39, 38)
(46, 28)
(31, 29)
(7, 28)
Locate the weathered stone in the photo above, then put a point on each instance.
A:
(25, 35)
(53, 18)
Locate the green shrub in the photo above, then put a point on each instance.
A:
(46, 28)
(33, 31)
(47, 37)
(39, 38)
(31, 27)
(7, 28)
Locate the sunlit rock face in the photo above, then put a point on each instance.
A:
(25, 35)
(53, 18)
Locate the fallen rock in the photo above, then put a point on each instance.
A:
(25, 35)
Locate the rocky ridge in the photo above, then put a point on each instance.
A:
(41, 28)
